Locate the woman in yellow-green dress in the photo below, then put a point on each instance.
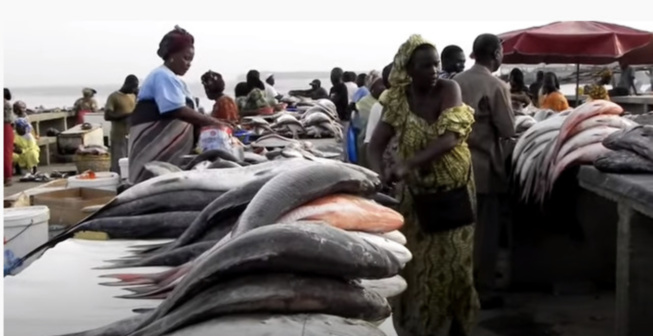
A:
(436, 192)
(26, 150)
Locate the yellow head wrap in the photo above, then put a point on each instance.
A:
(399, 75)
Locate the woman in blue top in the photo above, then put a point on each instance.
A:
(164, 120)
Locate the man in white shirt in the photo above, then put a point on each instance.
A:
(270, 91)
(350, 81)
(375, 116)
(377, 109)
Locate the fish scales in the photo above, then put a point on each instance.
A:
(282, 325)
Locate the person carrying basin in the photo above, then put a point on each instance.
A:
(86, 104)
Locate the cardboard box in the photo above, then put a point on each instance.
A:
(66, 205)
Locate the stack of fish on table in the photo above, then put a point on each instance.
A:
(631, 151)
(301, 246)
(642, 119)
(562, 140)
(529, 116)
(317, 120)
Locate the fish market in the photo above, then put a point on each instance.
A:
(403, 202)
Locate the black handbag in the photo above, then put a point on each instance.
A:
(443, 210)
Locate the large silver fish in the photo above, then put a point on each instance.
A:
(165, 225)
(229, 204)
(274, 293)
(297, 186)
(305, 248)
(638, 139)
(623, 162)
(211, 179)
(183, 200)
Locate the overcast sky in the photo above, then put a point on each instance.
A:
(57, 48)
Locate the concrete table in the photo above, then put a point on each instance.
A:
(634, 293)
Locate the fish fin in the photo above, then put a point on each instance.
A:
(124, 276)
(165, 181)
(143, 289)
(118, 264)
(136, 278)
(146, 249)
(142, 310)
(158, 168)
(124, 259)
(136, 282)
(146, 292)
(159, 296)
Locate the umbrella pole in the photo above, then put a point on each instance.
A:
(577, 83)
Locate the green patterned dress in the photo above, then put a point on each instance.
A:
(440, 276)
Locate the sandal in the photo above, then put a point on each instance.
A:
(27, 178)
(41, 177)
(56, 174)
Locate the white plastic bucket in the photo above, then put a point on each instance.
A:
(26, 228)
(103, 180)
(124, 168)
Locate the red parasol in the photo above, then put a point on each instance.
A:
(572, 42)
(639, 56)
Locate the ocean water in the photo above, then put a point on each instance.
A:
(65, 96)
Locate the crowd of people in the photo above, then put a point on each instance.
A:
(435, 132)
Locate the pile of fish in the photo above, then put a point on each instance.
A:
(642, 119)
(632, 151)
(286, 244)
(564, 139)
(297, 102)
(318, 120)
(321, 121)
(527, 118)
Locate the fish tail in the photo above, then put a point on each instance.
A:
(147, 249)
(119, 264)
(135, 282)
(149, 292)
(137, 279)
(124, 259)
(142, 310)
(159, 296)
(143, 289)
